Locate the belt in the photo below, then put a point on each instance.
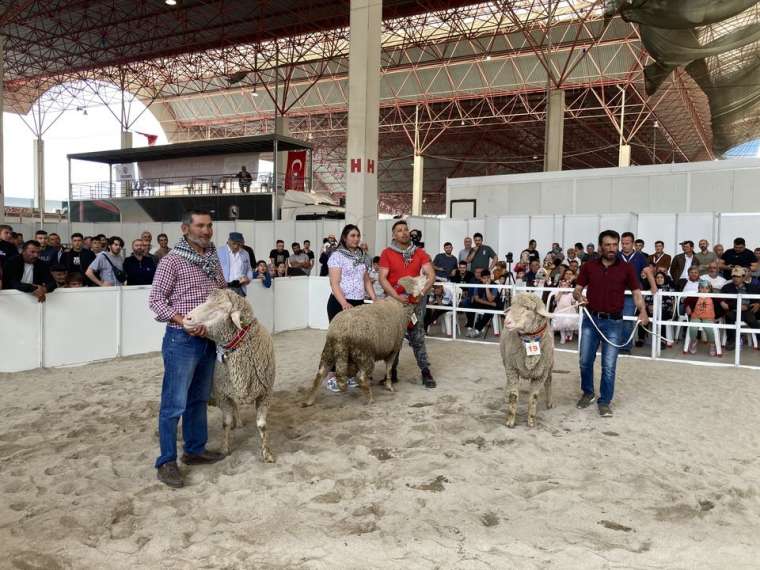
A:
(608, 316)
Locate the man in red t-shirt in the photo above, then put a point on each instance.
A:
(403, 259)
(606, 279)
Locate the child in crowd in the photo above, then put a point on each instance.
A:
(565, 312)
(75, 280)
(374, 277)
(262, 274)
(702, 310)
(665, 284)
(281, 270)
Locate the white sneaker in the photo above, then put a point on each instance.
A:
(353, 382)
(332, 385)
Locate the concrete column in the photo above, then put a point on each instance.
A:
(126, 139)
(554, 130)
(38, 167)
(417, 180)
(363, 118)
(2, 175)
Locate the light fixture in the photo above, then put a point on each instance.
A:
(462, 123)
(254, 92)
(171, 2)
(488, 58)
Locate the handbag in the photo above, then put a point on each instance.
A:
(121, 277)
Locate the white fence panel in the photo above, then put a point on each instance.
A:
(291, 298)
(654, 227)
(262, 301)
(319, 292)
(140, 331)
(81, 325)
(20, 331)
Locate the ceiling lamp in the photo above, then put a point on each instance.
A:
(171, 2)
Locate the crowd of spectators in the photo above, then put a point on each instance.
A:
(40, 265)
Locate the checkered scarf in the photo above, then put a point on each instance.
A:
(208, 262)
(407, 253)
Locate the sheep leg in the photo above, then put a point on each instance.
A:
(237, 422)
(389, 365)
(341, 371)
(227, 419)
(262, 407)
(548, 390)
(513, 392)
(364, 382)
(318, 379)
(535, 388)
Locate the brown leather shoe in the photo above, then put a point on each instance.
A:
(204, 458)
(169, 474)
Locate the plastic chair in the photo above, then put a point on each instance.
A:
(687, 340)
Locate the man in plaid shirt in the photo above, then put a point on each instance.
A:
(183, 280)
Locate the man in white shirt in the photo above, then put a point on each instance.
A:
(679, 269)
(236, 265)
(714, 277)
(463, 253)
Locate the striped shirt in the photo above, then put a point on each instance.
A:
(179, 286)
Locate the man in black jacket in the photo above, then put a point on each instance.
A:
(750, 309)
(28, 273)
(139, 267)
(78, 259)
(8, 249)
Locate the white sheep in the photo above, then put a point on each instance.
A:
(246, 373)
(527, 350)
(362, 335)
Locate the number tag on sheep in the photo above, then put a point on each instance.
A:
(527, 351)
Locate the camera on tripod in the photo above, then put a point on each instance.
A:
(510, 257)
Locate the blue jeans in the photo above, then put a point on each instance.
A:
(188, 375)
(590, 340)
(629, 310)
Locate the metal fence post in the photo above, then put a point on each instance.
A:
(654, 324)
(454, 305)
(737, 334)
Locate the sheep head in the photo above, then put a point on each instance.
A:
(413, 286)
(526, 315)
(223, 311)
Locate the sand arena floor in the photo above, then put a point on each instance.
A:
(422, 479)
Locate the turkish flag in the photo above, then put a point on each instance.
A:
(296, 170)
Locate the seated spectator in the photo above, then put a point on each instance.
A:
(374, 277)
(691, 283)
(737, 256)
(750, 308)
(714, 277)
(572, 255)
(41, 236)
(298, 262)
(140, 267)
(532, 273)
(557, 252)
(108, 268)
(75, 280)
(437, 296)
(554, 271)
(28, 273)
(235, 263)
(262, 274)
(163, 247)
(483, 298)
(702, 310)
(77, 259)
(60, 275)
(574, 266)
(565, 319)
(445, 264)
(665, 284)
(754, 273)
(531, 251)
(523, 264)
(279, 254)
(416, 237)
(718, 250)
(280, 270)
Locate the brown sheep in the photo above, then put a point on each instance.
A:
(526, 329)
(360, 336)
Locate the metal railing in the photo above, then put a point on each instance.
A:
(202, 184)
(657, 322)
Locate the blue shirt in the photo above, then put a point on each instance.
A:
(637, 260)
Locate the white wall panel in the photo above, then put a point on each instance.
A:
(20, 331)
(222, 232)
(593, 195)
(455, 232)
(291, 298)
(173, 231)
(80, 325)
(578, 228)
(512, 234)
(285, 231)
(262, 302)
(695, 227)
(618, 222)
(140, 331)
(263, 239)
(667, 193)
(541, 230)
(740, 225)
(474, 225)
(653, 227)
(319, 292)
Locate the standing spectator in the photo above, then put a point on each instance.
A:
(96, 246)
(41, 236)
(53, 253)
(463, 253)
(108, 268)
(556, 252)
(719, 250)
(679, 269)
(18, 240)
(374, 277)
(184, 279)
(147, 238)
(236, 264)
(659, 259)
(328, 246)
(636, 259)
(484, 298)
(139, 267)
(416, 237)
(481, 256)
(572, 255)
(444, 263)
(579, 251)
(714, 277)
(87, 242)
(77, 259)
(298, 262)
(590, 253)
(737, 256)
(704, 256)
(639, 245)
(279, 254)
(163, 247)
(606, 280)
(310, 254)
(532, 251)
(403, 259)
(28, 273)
(365, 251)
(262, 274)
(7, 247)
(244, 179)
(103, 241)
(750, 308)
